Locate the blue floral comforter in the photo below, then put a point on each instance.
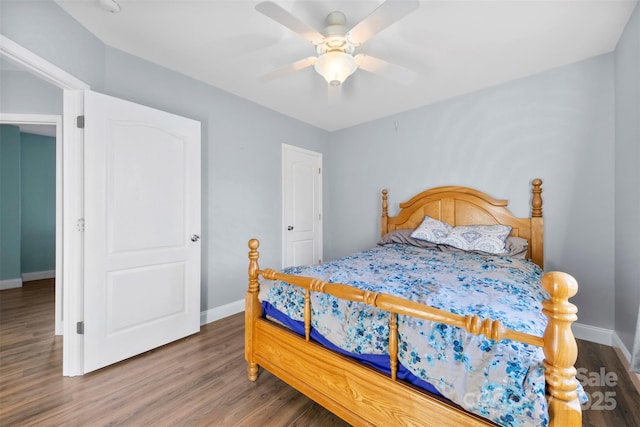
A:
(501, 381)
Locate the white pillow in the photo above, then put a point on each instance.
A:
(485, 238)
(431, 230)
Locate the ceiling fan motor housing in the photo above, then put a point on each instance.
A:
(335, 39)
(335, 24)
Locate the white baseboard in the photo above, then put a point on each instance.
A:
(217, 313)
(625, 357)
(38, 275)
(10, 284)
(610, 338)
(617, 342)
(593, 334)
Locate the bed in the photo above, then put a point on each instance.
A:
(363, 393)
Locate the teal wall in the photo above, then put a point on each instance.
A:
(9, 202)
(27, 203)
(38, 203)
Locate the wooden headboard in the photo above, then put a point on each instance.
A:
(466, 206)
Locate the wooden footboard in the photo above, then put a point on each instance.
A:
(363, 396)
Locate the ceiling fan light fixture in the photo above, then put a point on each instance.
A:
(335, 67)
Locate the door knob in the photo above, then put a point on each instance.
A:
(290, 227)
(195, 238)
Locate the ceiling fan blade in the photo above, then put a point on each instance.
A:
(386, 14)
(288, 69)
(284, 17)
(386, 69)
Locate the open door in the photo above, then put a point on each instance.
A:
(141, 229)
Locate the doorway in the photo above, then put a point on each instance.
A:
(70, 256)
(47, 125)
(77, 99)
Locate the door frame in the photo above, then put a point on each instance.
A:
(319, 156)
(72, 196)
(51, 120)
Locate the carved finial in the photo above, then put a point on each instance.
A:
(561, 287)
(384, 229)
(536, 201)
(560, 348)
(252, 309)
(254, 244)
(253, 265)
(385, 205)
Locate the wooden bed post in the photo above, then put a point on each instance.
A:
(384, 220)
(561, 350)
(537, 225)
(252, 309)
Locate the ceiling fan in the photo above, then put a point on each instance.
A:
(335, 48)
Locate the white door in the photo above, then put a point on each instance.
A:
(142, 227)
(302, 206)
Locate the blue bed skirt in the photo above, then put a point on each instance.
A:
(380, 362)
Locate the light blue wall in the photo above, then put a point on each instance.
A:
(241, 166)
(9, 202)
(38, 203)
(557, 126)
(627, 176)
(240, 140)
(24, 93)
(48, 31)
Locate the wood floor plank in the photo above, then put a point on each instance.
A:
(196, 381)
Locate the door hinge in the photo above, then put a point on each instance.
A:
(80, 328)
(319, 171)
(319, 217)
(80, 225)
(80, 122)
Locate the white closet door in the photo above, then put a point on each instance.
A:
(302, 206)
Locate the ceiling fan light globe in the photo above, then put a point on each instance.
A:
(335, 67)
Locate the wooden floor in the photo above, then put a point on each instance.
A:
(197, 381)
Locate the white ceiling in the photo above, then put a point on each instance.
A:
(455, 46)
